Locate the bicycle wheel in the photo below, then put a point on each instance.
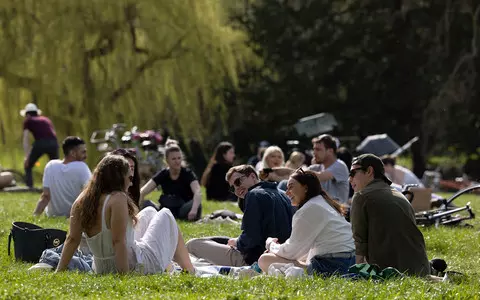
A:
(465, 195)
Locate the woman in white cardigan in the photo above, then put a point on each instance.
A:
(321, 238)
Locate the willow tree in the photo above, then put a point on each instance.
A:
(90, 63)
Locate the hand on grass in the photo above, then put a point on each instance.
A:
(192, 215)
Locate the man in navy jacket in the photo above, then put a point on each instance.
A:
(267, 212)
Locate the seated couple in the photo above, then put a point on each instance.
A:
(120, 239)
(319, 238)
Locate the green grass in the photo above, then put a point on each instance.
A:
(459, 246)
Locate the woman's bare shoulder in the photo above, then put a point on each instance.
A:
(118, 198)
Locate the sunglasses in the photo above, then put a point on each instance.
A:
(300, 170)
(236, 183)
(354, 171)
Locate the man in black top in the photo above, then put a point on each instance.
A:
(267, 212)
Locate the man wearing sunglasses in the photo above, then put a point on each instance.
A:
(383, 221)
(267, 212)
(63, 180)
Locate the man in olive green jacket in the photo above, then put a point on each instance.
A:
(383, 221)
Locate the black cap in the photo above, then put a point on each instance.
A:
(370, 160)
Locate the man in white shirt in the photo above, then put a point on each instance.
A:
(331, 171)
(63, 180)
(398, 174)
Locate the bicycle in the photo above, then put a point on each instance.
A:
(447, 213)
(109, 139)
(147, 146)
(149, 150)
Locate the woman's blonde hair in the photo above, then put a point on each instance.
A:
(296, 160)
(268, 152)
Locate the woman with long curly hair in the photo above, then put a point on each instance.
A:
(121, 240)
(321, 238)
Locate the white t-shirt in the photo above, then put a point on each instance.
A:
(65, 182)
(408, 176)
(338, 187)
(317, 229)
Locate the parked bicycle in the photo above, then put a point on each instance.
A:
(147, 145)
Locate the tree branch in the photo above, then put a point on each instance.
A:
(150, 62)
(101, 48)
(468, 56)
(131, 16)
(18, 81)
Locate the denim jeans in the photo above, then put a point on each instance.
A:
(329, 266)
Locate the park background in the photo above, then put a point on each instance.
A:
(243, 71)
(246, 71)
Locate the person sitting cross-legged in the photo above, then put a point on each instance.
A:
(181, 192)
(267, 212)
(63, 180)
(321, 238)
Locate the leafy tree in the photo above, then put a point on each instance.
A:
(88, 64)
(402, 67)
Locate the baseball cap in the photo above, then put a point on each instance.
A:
(370, 160)
(30, 107)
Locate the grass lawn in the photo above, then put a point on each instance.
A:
(459, 246)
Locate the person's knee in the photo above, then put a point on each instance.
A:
(6, 179)
(264, 262)
(147, 213)
(192, 246)
(149, 210)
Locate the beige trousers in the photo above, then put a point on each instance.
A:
(214, 252)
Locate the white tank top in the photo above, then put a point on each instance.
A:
(101, 246)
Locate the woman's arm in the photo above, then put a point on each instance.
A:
(197, 199)
(147, 189)
(306, 225)
(118, 226)
(73, 238)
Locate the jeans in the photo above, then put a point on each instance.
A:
(39, 148)
(328, 266)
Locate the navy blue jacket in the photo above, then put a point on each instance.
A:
(268, 213)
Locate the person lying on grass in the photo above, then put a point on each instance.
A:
(321, 238)
(107, 216)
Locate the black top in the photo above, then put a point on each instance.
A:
(217, 187)
(180, 187)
